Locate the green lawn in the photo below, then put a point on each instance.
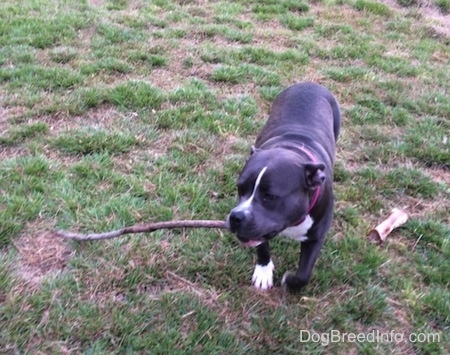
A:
(121, 112)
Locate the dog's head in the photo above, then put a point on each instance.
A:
(274, 191)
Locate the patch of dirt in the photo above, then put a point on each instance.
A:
(434, 17)
(440, 175)
(101, 116)
(98, 3)
(439, 21)
(171, 77)
(41, 255)
(278, 34)
(12, 152)
(9, 113)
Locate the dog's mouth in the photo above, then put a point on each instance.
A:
(250, 243)
(255, 242)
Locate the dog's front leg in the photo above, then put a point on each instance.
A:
(308, 256)
(263, 275)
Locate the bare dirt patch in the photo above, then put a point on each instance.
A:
(440, 175)
(9, 113)
(101, 116)
(438, 21)
(98, 3)
(41, 255)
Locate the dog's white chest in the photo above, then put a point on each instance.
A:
(299, 232)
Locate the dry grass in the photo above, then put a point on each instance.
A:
(40, 255)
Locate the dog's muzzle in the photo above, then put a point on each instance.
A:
(236, 219)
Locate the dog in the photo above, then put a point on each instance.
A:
(285, 186)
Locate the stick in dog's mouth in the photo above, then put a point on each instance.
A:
(144, 228)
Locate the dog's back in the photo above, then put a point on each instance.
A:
(300, 109)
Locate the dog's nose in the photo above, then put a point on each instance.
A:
(236, 218)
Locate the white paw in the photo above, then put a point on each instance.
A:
(263, 276)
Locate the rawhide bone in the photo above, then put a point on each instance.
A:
(396, 219)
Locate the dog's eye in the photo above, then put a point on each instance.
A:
(269, 197)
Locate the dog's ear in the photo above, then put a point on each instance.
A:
(253, 150)
(314, 175)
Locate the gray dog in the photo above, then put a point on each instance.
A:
(286, 185)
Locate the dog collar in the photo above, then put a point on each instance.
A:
(316, 194)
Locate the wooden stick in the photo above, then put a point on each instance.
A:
(144, 228)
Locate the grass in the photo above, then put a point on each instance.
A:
(376, 8)
(116, 112)
(444, 5)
